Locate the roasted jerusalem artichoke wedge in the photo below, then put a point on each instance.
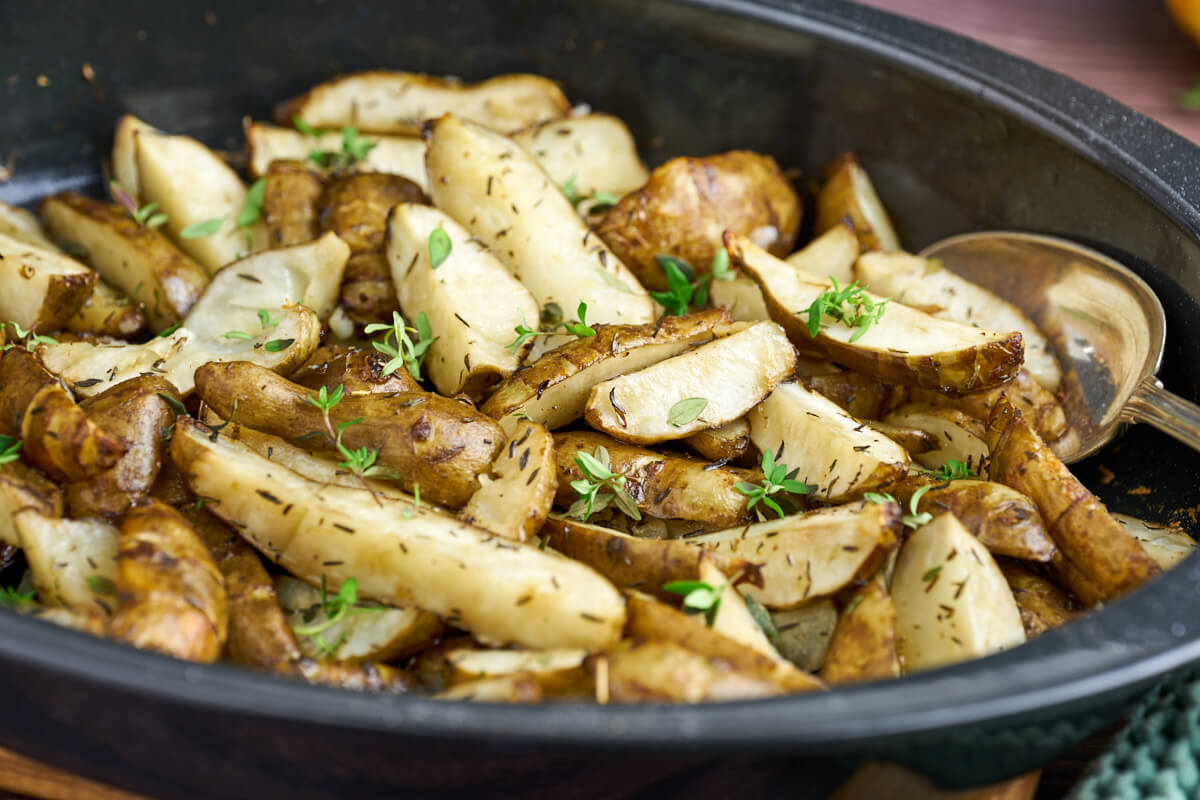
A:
(807, 556)
(91, 367)
(473, 303)
(591, 153)
(664, 486)
(707, 387)
(1166, 544)
(381, 101)
(40, 289)
(1042, 605)
(727, 443)
(958, 437)
(22, 487)
(397, 155)
(952, 601)
(1007, 522)
(72, 561)
(848, 194)
(501, 194)
(927, 285)
(356, 370)
(902, 346)
(170, 594)
(688, 203)
(518, 491)
(1095, 544)
(501, 591)
(554, 389)
(863, 647)
(139, 260)
(291, 196)
(191, 185)
(830, 255)
(1039, 406)
(835, 454)
(430, 441)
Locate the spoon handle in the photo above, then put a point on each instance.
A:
(1171, 414)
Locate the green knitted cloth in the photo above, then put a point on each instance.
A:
(1156, 756)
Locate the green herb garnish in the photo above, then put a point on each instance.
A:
(686, 411)
(166, 332)
(952, 470)
(101, 585)
(599, 487)
(439, 246)
(275, 345)
(267, 321)
(763, 618)
(11, 597)
(199, 230)
(10, 449)
(28, 337)
(304, 127)
(776, 479)
(336, 608)
(354, 149)
(552, 311)
(698, 597)
(237, 335)
(913, 519)
(862, 311)
(400, 346)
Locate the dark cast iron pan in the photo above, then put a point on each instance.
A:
(957, 137)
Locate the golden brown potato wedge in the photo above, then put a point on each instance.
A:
(805, 633)
(356, 207)
(847, 195)
(554, 389)
(21, 225)
(56, 435)
(140, 261)
(1043, 605)
(72, 561)
(398, 155)
(707, 387)
(382, 101)
(191, 185)
(40, 289)
(741, 297)
(733, 618)
(108, 312)
(830, 255)
(516, 497)
(914, 440)
(440, 444)
(1007, 522)
(592, 152)
(654, 621)
(807, 556)
(727, 443)
(958, 437)
(1028, 396)
(170, 594)
(501, 591)
(291, 198)
(1089, 538)
(689, 202)
(952, 601)
(1166, 544)
(861, 396)
(22, 487)
(838, 456)
(356, 370)
(927, 285)
(501, 194)
(628, 561)
(904, 346)
(664, 486)
(473, 303)
(663, 672)
(136, 412)
(378, 633)
(863, 647)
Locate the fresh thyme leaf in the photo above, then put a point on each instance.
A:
(199, 230)
(156, 220)
(237, 335)
(165, 332)
(762, 617)
(354, 149)
(400, 346)
(580, 328)
(411, 511)
(599, 487)
(252, 207)
(275, 345)
(11, 450)
(1189, 99)
(179, 408)
(686, 411)
(698, 596)
(337, 608)
(853, 604)
(267, 320)
(953, 470)
(931, 573)
(11, 597)
(101, 585)
(862, 312)
(878, 499)
(683, 288)
(325, 400)
(602, 199)
(551, 320)
(439, 246)
(913, 519)
(720, 266)
(571, 193)
(29, 337)
(776, 479)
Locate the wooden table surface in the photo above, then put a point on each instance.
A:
(1126, 48)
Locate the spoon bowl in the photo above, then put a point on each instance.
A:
(1105, 324)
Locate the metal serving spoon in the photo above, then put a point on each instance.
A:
(1106, 325)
